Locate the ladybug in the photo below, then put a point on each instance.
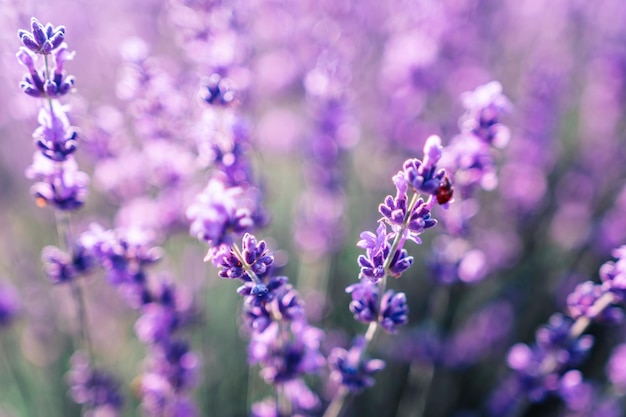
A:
(444, 191)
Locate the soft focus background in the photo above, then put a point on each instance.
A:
(387, 74)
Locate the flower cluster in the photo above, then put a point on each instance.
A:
(230, 204)
(456, 257)
(93, 388)
(125, 255)
(545, 368)
(408, 216)
(58, 181)
(481, 128)
(170, 367)
(281, 340)
(9, 305)
(320, 222)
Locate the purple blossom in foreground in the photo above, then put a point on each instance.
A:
(42, 39)
(613, 274)
(9, 304)
(96, 390)
(394, 310)
(580, 303)
(424, 176)
(218, 91)
(377, 250)
(364, 304)
(37, 84)
(351, 370)
(256, 255)
(365, 307)
(616, 367)
(59, 183)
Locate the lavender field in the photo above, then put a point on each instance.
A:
(313, 208)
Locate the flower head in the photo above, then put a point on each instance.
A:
(42, 39)
(351, 370)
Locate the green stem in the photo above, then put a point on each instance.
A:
(16, 376)
(65, 239)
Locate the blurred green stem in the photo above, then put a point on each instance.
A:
(16, 376)
(65, 239)
(421, 377)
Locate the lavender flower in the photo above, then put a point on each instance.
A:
(544, 368)
(256, 255)
(42, 40)
(351, 370)
(615, 367)
(480, 129)
(219, 213)
(425, 176)
(9, 305)
(613, 274)
(218, 91)
(364, 304)
(484, 108)
(394, 311)
(377, 250)
(59, 183)
(93, 388)
(285, 360)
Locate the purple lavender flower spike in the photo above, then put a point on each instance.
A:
(485, 105)
(616, 367)
(218, 91)
(172, 370)
(580, 304)
(364, 304)
(66, 189)
(219, 213)
(538, 368)
(58, 265)
(424, 176)
(575, 392)
(9, 305)
(375, 245)
(279, 302)
(93, 388)
(613, 274)
(284, 361)
(42, 40)
(55, 138)
(377, 250)
(395, 213)
(256, 255)
(156, 323)
(393, 311)
(351, 370)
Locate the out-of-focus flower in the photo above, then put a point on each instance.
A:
(350, 368)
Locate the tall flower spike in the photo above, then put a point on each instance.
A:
(59, 182)
(42, 40)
